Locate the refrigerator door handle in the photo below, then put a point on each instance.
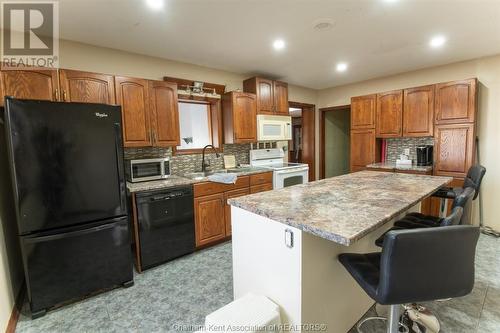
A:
(70, 234)
(120, 167)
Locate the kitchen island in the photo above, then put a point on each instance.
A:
(286, 241)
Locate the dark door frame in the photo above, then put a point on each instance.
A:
(322, 134)
(308, 133)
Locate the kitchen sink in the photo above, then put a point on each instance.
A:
(238, 170)
(201, 175)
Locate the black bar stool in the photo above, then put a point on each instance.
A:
(464, 200)
(406, 269)
(473, 179)
(459, 215)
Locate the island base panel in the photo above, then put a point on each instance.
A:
(306, 281)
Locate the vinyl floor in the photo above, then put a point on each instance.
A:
(175, 297)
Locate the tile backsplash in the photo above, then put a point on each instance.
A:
(182, 164)
(396, 147)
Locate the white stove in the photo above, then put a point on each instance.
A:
(284, 174)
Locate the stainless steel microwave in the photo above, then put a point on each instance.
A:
(147, 169)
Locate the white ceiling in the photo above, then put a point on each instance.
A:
(375, 37)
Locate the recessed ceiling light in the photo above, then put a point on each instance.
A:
(437, 41)
(155, 4)
(279, 44)
(341, 67)
(391, 1)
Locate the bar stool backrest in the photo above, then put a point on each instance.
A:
(474, 178)
(426, 264)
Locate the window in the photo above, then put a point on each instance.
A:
(195, 125)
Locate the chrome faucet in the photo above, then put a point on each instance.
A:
(203, 165)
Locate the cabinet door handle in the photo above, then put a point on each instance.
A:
(289, 238)
(65, 96)
(56, 94)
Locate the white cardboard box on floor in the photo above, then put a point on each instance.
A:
(251, 313)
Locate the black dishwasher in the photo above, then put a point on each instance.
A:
(166, 224)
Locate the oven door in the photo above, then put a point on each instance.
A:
(286, 178)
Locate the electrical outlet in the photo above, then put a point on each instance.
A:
(407, 151)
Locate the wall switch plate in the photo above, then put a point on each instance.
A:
(407, 151)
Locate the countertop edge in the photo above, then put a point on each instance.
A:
(328, 235)
(179, 180)
(394, 166)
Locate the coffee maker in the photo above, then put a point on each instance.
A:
(424, 155)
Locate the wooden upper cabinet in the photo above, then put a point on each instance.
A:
(240, 117)
(272, 96)
(389, 119)
(210, 225)
(30, 84)
(132, 95)
(418, 111)
(281, 98)
(362, 149)
(86, 87)
(456, 102)
(453, 149)
(265, 96)
(164, 113)
(363, 112)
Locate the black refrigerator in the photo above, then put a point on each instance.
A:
(66, 162)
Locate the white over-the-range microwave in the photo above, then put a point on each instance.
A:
(274, 128)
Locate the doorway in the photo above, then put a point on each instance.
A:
(301, 147)
(335, 124)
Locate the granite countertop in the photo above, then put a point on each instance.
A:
(171, 181)
(179, 180)
(394, 166)
(343, 209)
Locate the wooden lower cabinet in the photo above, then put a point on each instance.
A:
(212, 213)
(227, 207)
(378, 169)
(262, 178)
(261, 188)
(209, 219)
